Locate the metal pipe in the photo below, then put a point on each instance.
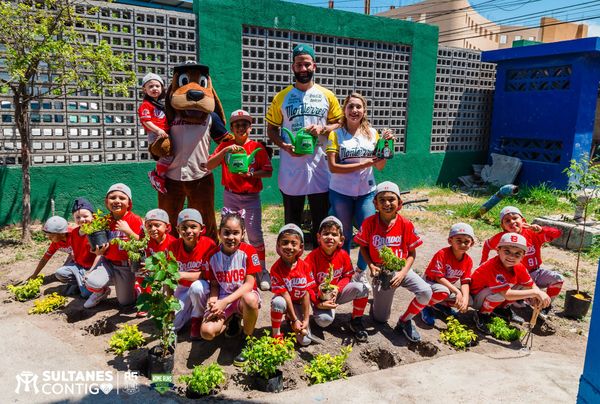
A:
(503, 192)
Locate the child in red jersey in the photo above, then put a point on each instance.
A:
(242, 191)
(292, 284)
(449, 274)
(82, 258)
(58, 232)
(231, 269)
(512, 221)
(114, 264)
(503, 279)
(388, 228)
(330, 253)
(191, 252)
(153, 118)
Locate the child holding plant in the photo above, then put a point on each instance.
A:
(83, 259)
(58, 232)
(332, 269)
(449, 274)
(503, 279)
(388, 228)
(231, 269)
(512, 221)
(242, 190)
(292, 284)
(113, 265)
(190, 251)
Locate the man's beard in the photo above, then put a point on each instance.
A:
(304, 77)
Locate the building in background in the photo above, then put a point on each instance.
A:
(463, 27)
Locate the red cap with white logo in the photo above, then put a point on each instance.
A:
(513, 240)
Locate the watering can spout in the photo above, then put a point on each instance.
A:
(251, 155)
(290, 134)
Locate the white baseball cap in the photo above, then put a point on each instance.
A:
(120, 187)
(461, 228)
(189, 214)
(333, 219)
(239, 115)
(157, 214)
(513, 240)
(56, 224)
(291, 227)
(152, 76)
(509, 209)
(387, 186)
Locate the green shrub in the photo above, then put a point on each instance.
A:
(100, 222)
(502, 331)
(127, 338)
(204, 379)
(135, 248)
(457, 335)
(325, 368)
(29, 290)
(391, 261)
(48, 304)
(265, 354)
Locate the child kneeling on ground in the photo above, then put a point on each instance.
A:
(330, 254)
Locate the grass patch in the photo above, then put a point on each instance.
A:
(273, 219)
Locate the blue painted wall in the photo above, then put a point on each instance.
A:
(589, 383)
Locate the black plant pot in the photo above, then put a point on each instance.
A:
(385, 278)
(272, 385)
(135, 266)
(98, 238)
(195, 396)
(159, 364)
(575, 307)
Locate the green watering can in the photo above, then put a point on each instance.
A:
(303, 141)
(384, 149)
(238, 162)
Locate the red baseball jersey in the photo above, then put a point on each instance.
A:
(319, 262)
(149, 112)
(535, 241)
(192, 261)
(64, 246)
(154, 247)
(297, 280)
(445, 265)
(82, 254)
(114, 252)
(492, 274)
(230, 270)
(237, 183)
(400, 237)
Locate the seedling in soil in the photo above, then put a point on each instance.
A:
(29, 290)
(266, 354)
(204, 379)
(48, 304)
(128, 337)
(457, 334)
(502, 331)
(325, 368)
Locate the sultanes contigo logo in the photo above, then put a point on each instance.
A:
(75, 382)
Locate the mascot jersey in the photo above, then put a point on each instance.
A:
(294, 109)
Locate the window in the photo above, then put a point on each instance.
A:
(7, 118)
(503, 39)
(518, 37)
(531, 38)
(59, 118)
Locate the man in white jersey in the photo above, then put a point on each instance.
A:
(312, 107)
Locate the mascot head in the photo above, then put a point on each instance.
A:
(191, 95)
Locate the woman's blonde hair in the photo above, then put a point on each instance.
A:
(364, 127)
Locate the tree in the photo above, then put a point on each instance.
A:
(47, 56)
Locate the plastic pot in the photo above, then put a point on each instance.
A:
(194, 395)
(98, 238)
(135, 266)
(385, 277)
(325, 295)
(575, 307)
(273, 384)
(157, 364)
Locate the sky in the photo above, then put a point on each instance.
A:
(496, 10)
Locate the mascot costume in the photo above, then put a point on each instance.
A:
(195, 116)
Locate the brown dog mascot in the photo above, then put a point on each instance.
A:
(195, 116)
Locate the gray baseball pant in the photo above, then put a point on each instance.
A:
(279, 305)
(104, 272)
(73, 275)
(382, 299)
(493, 300)
(192, 300)
(353, 290)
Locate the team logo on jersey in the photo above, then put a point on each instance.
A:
(159, 113)
(453, 273)
(390, 241)
(500, 278)
(255, 259)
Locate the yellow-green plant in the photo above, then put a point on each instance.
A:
(29, 290)
(325, 368)
(326, 285)
(391, 261)
(48, 304)
(204, 379)
(501, 330)
(457, 335)
(99, 222)
(128, 337)
(266, 353)
(135, 248)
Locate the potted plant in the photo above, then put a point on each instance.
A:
(135, 250)
(265, 355)
(326, 289)
(203, 381)
(391, 265)
(584, 186)
(162, 274)
(97, 229)
(325, 368)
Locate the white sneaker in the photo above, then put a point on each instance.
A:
(96, 298)
(361, 276)
(265, 280)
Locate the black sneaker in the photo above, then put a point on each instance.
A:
(545, 312)
(508, 314)
(358, 328)
(234, 328)
(409, 330)
(241, 359)
(481, 322)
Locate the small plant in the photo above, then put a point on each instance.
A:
(204, 379)
(48, 304)
(100, 222)
(502, 331)
(29, 290)
(457, 335)
(390, 261)
(266, 353)
(135, 248)
(325, 368)
(326, 287)
(127, 338)
(162, 274)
